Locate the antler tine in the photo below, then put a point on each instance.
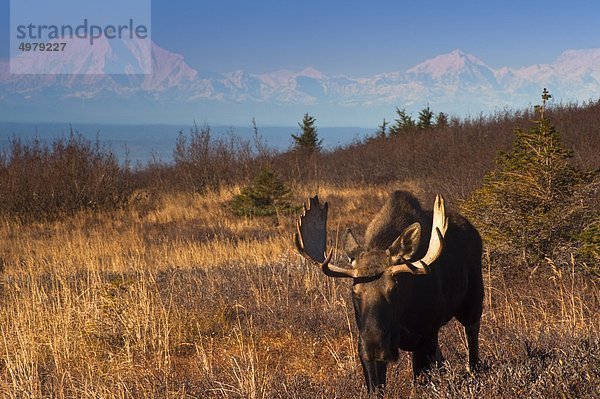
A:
(311, 236)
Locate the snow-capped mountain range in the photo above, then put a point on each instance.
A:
(456, 83)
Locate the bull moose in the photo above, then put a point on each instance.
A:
(416, 271)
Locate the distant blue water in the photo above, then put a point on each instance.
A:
(143, 143)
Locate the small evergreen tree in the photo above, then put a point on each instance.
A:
(403, 123)
(441, 120)
(425, 118)
(524, 206)
(381, 132)
(308, 140)
(266, 196)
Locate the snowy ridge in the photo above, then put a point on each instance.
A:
(455, 82)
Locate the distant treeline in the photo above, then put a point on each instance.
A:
(40, 180)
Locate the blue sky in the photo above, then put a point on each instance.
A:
(365, 37)
(362, 38)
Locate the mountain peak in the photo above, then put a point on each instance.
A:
(311, 73)
(447, 64)
(168, 70)
(582, 57)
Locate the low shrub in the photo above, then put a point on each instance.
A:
(41, 181)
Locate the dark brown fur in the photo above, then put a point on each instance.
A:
(405, 311)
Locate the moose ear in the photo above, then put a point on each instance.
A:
(351, 246)
(406, 244)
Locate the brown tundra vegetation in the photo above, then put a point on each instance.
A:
(132, 284)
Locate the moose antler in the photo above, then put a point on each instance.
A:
(311, 236)
(436, 242)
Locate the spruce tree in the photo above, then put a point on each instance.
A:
(523, 206)
(403, 123)
(441, 120)
(382, 130)
(308, 140)
(425, 118)
(266, 196)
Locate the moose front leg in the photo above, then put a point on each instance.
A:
(472, 333)
(427, 355)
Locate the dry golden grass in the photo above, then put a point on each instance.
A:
(188, 301)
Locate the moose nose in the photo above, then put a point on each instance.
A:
(377, 346)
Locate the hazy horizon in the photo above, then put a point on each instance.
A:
(145, 143)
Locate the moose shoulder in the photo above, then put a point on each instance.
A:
(416, 271)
